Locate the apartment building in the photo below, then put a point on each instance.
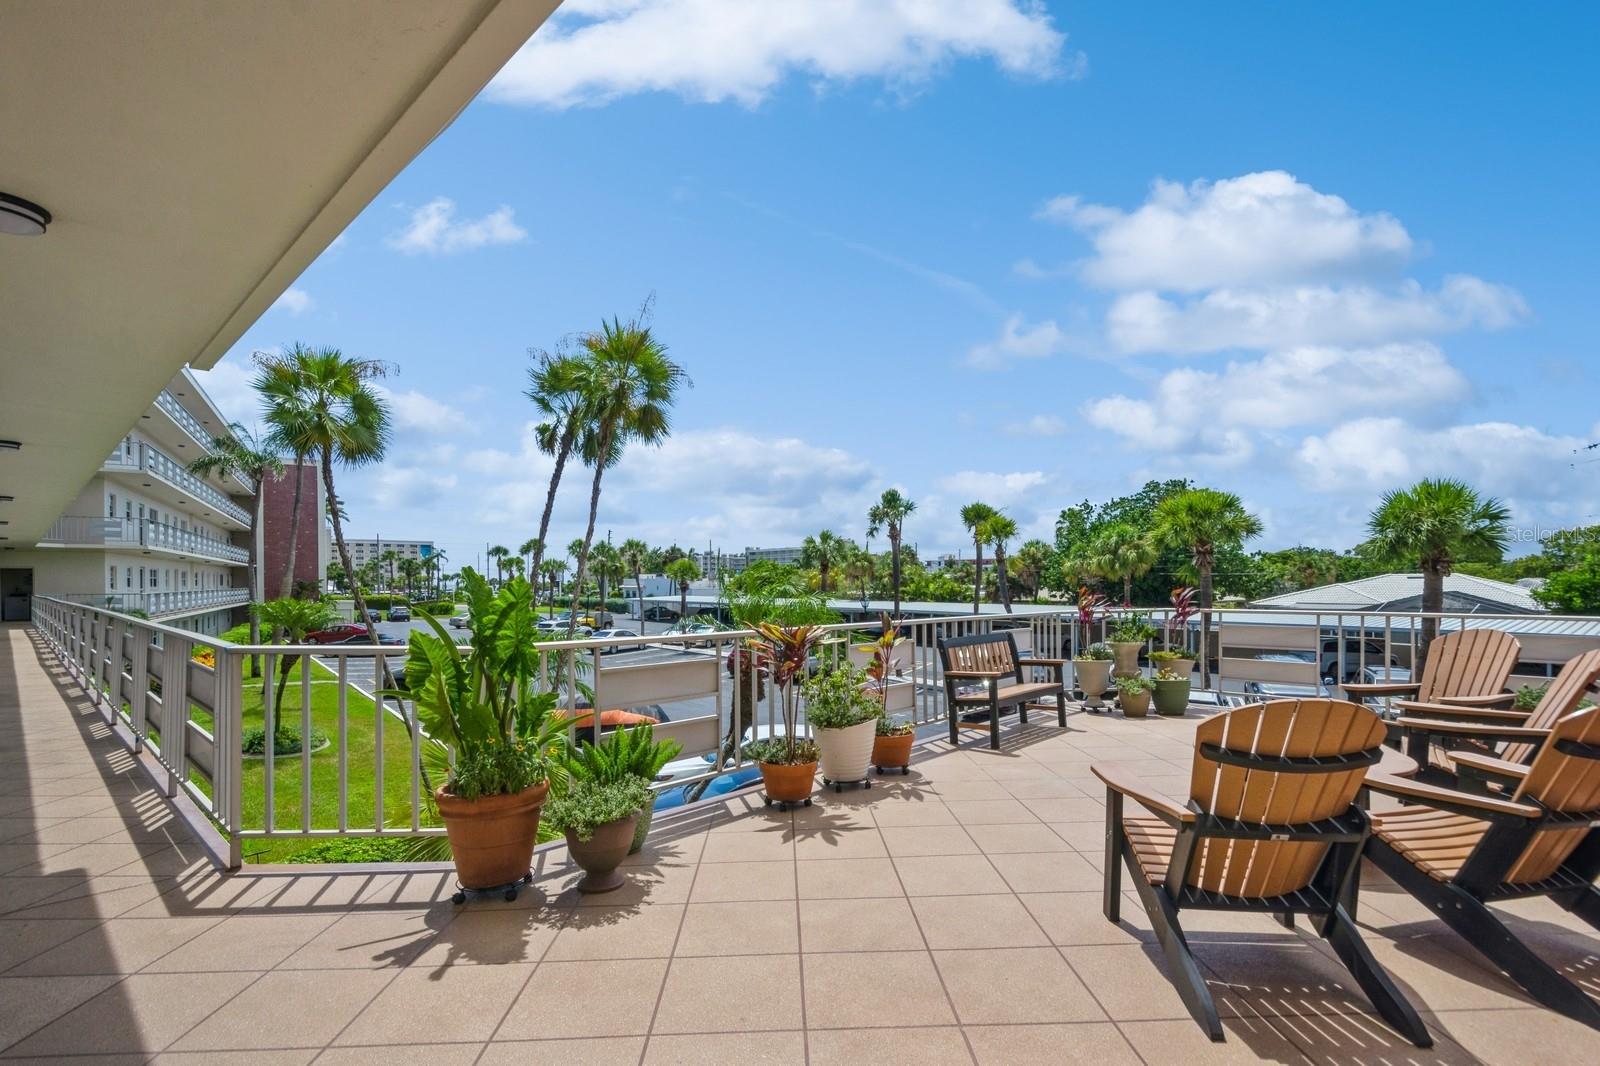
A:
(145, 534)
(364, 551)
(713, 562)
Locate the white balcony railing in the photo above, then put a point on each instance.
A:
(142, 533)
(151, 460)
(188, 422)
(161, 604)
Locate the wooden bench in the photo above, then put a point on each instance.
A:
(992, 659)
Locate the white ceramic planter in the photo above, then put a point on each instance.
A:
(846, 752)
(1093, 677)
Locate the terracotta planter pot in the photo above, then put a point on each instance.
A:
(642, 829)
(602, 853)
(1172, 697)
(785, 783)
(1093, 677)
(1126, 663)
(1135, 704)
(846, 753)
(492, 838)
(893, 753)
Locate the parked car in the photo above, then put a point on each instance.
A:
(399, 613)
(615, 634)
(1355, 650)
(373, 616)
(595, 620)
(1262, 691)
(349, 633)
(460, 621)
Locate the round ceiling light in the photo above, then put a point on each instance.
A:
(22, 218)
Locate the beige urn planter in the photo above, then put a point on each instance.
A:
(1093, 677)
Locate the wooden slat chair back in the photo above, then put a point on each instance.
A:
(998, 654)
(1331, 730)
(1569, 689)
(984, 672)
(1457, 852)
(1468, 662)
(1271, 825)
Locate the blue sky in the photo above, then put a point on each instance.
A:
(987, 249)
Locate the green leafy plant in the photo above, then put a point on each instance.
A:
(1167, 675)
(294, 619)
(285, 742)
(784, 652)
(1096, 652)
(1168, 655)
(781, 751)
(481, 698)
(881, 665)
(1528, 697)
(1132, 686)
(894, 727)
(621, 754)
(1133, 628)
(839, 698)
(588, 805)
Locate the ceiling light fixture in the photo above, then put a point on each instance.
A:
(7, 499)
(13, 445)
(22, 218)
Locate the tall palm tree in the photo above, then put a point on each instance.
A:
(436, 560)
(277, 383)
(1030, 561)
(1433, 523)
(684, 571)
(1122, 552)
(822, 552)
(636, 555)
(975, 517)
(527, 549)
(556, 387)
(628, 386)
(551, 570)
(1200, 521)
(890, 513)
(609, 569)
(999, 529)
(858, 567)
(410, 570)
(497, 558)
(240, 455)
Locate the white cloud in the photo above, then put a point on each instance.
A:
(228, 385)
(1217, 413)
(997, 490)
(400, 487)
(1262, 228)
(1037, 426)
(434, 229)
(295, 301)
(1306, 315)
(1498, 458)
(1018, 340)
(594, 51)
(414, 411)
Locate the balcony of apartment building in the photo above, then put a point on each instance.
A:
(179, 430)
(150, 468)
(142, 535)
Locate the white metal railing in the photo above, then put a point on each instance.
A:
(157, 604)
(95, 531)
(186, 421)
(132, 456)
(372, 779)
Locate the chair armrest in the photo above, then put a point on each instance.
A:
(1029, 660)
(1489, 765)
(1440, 727)
(1383, 688)
(979, 675)
(1448, 799)
(1493, 699)
(1119, 778)
(1418, 708)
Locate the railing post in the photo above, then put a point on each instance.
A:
(230, 750)
(139, 698)
(174, 708)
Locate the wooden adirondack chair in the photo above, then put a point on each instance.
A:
(1467, 668)
(1458, 852)
(1471, 742)
(1271, 825)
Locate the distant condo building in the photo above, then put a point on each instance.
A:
(145, 534)
(365, 551)
(713, 562)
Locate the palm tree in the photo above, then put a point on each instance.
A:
(890, 513)
(411, 570)
(436, 562)
(1200, 521)
(294, 619)
(684, 571)
(1121, 552)
(277, 382)
(497, 559)
(975, 516)
(387, 561)
(526, 550)
(1434, 522)
(552, 569)
(822, 552)
(1030, 561)
(628, 386)
(609, 569)
(636, 555)
(240, 455)
(858, 567)
(998, 530)
(555, 385)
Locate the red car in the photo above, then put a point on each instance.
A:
(346, 633)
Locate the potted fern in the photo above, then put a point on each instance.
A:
(631, 752)
(843, 712)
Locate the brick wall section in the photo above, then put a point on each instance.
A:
(277, 508)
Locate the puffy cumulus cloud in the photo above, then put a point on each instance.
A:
(1261, 228)
(1370, 455)
(1018, 341)
(995, 489)
(417, 412)
(295, 301)
(1218, 413)
(594, 51)
(228, 385)
(1307, 315)
(433, 229)
(397, 486)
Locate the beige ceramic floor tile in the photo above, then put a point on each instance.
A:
(1077, 918)
(942, 875)
(1007, 985)
(912, 840)
(279, 1057)
(998, 921)
(1248, 1040)
(22, 939)
(145, 1012)
(1129, 980)
(411, 1055)
(868, 989)
(484, 937)
(597, 1051)
(609, 998)
(245, 942)
(320, 1002)
(1047, 872)
(367, 941)
(732, 882)
(122, 945)
(32, 1002)
(885, 924)
(1008, 839)
(928, 811)
(738, 994)
(845, 878)
(991, 812)
(617, 933)
(1083, 1044)
(851, 842)
(460, 1003)
(776, 1049)
(927, 1046)
(763, 928)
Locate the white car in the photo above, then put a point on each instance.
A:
(616, 634)
(460, 621)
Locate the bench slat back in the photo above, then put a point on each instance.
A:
(984, 651)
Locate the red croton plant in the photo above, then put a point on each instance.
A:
(783, 652)
(1183, 609)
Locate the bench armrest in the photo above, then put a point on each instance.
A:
(1028, 660)
(979, 675)
(1119, 778)
(1448, 799)
(1493, 699)
(1440, 727)
(1383, 688)
(1489, 765)
(1419, 709)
